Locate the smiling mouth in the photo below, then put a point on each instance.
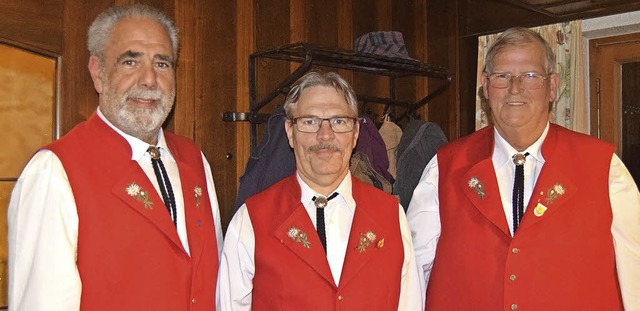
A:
(516, 103)
(145, 101)
(325, 151)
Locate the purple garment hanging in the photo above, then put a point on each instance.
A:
(372, 145)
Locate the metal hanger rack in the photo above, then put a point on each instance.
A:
(309, 55)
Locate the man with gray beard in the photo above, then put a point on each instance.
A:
(118, 214)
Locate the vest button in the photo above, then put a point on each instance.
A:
(193, 300)
(340, 298)
(512, 277)
(514, 307)
(515, 250)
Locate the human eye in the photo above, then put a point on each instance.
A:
(340, 120)
(128, 58)
(129, 62)
(307, 121)
(163, 61)
(501, 76)
(531, 76)
(163, 65)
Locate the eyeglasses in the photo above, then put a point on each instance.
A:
(312, 124)
(529, 80)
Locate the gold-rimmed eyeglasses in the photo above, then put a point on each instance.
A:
(312, 124)
(528, 80)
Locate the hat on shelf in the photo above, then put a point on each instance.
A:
(383, 43)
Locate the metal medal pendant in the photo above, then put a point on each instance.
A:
(320, 202)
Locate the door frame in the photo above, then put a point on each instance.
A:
(606, 56)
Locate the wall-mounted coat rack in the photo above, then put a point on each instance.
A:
(309, 55)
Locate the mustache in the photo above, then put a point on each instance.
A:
(327, 146)
(144, 93)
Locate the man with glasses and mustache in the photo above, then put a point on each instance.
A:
(524, 214)
(118, 214)
(319, 239)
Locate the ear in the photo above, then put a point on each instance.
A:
(357, 133)
(554, 83)
(288, 127)
(95, 69)
(485, 85)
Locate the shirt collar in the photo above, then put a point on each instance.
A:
(344, 191)
(138, 147)
(503, 151)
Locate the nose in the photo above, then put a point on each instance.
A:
(148, 77)
(325, 132)
(515, 86)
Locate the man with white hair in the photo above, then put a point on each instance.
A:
(118, 214)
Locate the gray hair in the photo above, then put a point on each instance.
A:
(313, 78)
(519, 36)
(101, 28)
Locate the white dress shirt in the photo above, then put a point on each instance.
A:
(237, 267)
(505, 171)
(423, 213)
(43, 227)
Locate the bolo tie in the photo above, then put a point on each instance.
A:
(321, 202)
(518, 189)
(163, 183)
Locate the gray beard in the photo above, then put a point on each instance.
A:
(142, 123)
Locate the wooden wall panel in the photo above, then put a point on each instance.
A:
(442, 46)
(215, 77)
(345, 31)
(244, 47)
(78, 98)
(364, 18)
(405, 18)
(322, 22)
(182, 120)
(25, 21)
(270, 33)
(370, 16)
(364, 21)
(419, 50)
(466, 82)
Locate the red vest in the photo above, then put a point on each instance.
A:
(561, 258)
(129, 254)
(290, 276)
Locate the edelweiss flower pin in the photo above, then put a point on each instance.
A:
(554, 192)
(299, 236)
(476, 185)
(135, 191)
(368, 238)
(197, 192)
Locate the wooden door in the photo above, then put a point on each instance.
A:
(27, 111)
(615, 87)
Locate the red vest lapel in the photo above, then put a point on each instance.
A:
(195, 201)
(479, 183)
(152, 207)
(360, 248)
(480, 186)
(553, 188)
(304, 241)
